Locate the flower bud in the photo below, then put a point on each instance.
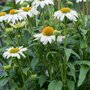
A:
(15, 66)
(70, 3)
(24, 4)
(57, 33)
(19, 36)
(9, 30)
(34, 77)
(7, 67)
(18, 25)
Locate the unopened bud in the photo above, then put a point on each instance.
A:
(70, 3)
(7, 67)
(34, 77)
(18, 25)
(24, 4)
(57, 33)
(9, 30)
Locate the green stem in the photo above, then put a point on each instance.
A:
(65, 61)
(83, 15)
(43, 17)
(30, 26)
(20, 69)
(59, 4)
(87, 7)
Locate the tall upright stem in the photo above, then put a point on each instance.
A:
(59, 4)
(87, 7)
(20, 69)
(83, 15)
(65, 60)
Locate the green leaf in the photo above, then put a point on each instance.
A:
(68, 53)
(3, 81)
(71, 84)
(25, 70)
(50, 53)
(83, 43)
(34, 63)
(74, 53)
(42, 80)
(6, 8)
(83, 71)
(72, 70)
(55, 85)
(83, 63)
(84, 31)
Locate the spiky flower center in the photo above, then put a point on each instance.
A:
(13, 11)
(14, 50)
(27, 9)
(47, 31)
(3, 13)
(65, 10)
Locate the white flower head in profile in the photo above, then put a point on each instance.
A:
(42, 3)
(2, 16)
(66, 12)
(77, 1)
(21, 1)
(14, 52)
(13, 16)
(46, 36)
(28, 11)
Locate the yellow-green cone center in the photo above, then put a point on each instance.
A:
(48, 31)
(14, 50)
(65, 10)
(27, 9)
(3, 13)
(13, 11)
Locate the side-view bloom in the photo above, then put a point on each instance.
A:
(2, 16)
(47, 36)
(14, 52)
(28, 11)
(13, 16)
(42, 3)
(77, 1)
(66, 12)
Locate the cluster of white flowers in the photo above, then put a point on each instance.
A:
(17, 15)
(47, 35)
(37, 3)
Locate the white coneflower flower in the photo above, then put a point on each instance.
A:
(80, 1)
(14, 52)
(28, 11)
(42, 3)
(21, 1)
(2, 16)
(66, 12)
(46, 36)
(13, 16)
